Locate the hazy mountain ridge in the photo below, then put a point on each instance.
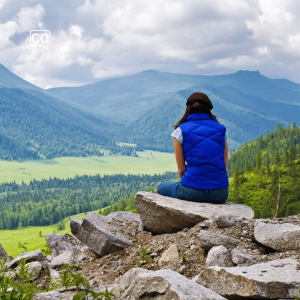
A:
(138, 109)
(153, 130)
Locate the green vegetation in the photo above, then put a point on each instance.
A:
(29, 236)
(69, 277)
(270, 190)
(272, 148)
(23, 289)
(143, 254)
(65, 167)
(36, 125)
(47, 202)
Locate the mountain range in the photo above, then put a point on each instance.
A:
(136, 109)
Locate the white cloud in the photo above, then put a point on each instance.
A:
(100, 39)
(2, 3)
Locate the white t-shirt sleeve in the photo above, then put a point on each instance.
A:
(177, 134)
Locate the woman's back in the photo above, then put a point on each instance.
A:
(201, 155)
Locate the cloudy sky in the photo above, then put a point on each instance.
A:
(92, 40)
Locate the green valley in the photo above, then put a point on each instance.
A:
(147, 162)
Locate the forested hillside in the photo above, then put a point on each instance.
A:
(273, 147)
(34, 126)
(50, 201)
(271, 191)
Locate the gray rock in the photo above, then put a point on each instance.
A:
(210, 239)
(280, 237)
(54, 275)
(163, 284)
(161, 214)
(3, 252)
(35, 268)
(30, 256)
(271, 280)
(114, 265)
(66, 258)
(225, 220)
(93, 232)
(141, 227)
(124, 216)
(81, 258)
(219, 256)
(170, 255)
(59, 243)
(49, 258)
(75, 225)
(53, 295)
(206, 223)
(239, 257)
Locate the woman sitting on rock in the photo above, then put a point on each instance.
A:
(201, 153)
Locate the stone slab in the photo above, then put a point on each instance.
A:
(163, 284)
(161, 214)
(277, 279)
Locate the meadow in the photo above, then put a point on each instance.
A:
(9, 239)
(148, 162)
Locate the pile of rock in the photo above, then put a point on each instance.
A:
(199, 251)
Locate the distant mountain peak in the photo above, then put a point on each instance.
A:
(247, 72)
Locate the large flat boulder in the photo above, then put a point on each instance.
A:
(124, 216)
(141, 284)
(59, 243)
(280, 237)
(211, 239)
(277, 279)
(161, 214)
(30, 256)
(94, 233)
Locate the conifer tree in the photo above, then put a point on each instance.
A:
(286, 158)
(268, 164)
(236, 183)
(276, 159)
(292, 151)
(258, 161)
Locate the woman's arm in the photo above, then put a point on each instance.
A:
(179, 157)
(226, 154)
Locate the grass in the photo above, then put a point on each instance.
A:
(9, 238)
(148, 162)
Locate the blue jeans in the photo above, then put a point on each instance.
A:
(174, 189)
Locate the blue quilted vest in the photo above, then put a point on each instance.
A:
(203, 147)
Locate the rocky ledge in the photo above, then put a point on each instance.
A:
(210, 253)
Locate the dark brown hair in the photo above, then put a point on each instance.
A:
(197, 102)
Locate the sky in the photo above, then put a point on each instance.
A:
(93, 40)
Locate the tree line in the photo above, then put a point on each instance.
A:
(271, 184)
(46, 202)
(273, 145)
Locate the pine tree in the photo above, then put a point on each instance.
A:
(286, 158)
(292, 151)
(236, 183)
(294, 125)
(268, 165)
(258, 161)
(276, 159)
